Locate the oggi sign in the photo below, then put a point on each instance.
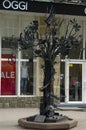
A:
(15, 5)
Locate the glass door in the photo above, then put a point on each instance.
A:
(75, 82)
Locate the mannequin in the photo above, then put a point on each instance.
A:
(24, 78)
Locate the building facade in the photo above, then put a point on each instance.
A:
(20, 73)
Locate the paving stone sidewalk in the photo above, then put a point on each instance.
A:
(9, 117)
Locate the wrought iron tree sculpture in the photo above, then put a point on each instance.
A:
(48, 47)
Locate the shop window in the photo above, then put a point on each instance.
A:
(8, 77)
(12, 57)
(8, 66)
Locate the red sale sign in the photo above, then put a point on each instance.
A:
(8, 77)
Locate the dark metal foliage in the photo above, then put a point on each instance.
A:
(48, 47)
(30, 35)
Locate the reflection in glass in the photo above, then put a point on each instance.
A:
(26, 54)
(9, 46)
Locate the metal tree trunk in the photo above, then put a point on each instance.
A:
(48, 92)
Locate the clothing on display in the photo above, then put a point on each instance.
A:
(24, 79)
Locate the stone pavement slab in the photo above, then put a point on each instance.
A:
(9, 117)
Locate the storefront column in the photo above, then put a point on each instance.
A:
(34, 75)
(66, 81)
(84, 64)
(19, 71)
(39, 80)
(57, 77)
(84, 39)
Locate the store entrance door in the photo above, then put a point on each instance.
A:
(75, 82)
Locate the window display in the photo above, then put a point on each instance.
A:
(13, 59)
(8, 77)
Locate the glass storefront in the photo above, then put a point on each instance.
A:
(9, 69)
(69, 71)
(72, 70)
(17, 76)
(18, 67)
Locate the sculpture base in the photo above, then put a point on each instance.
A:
(49, 124)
